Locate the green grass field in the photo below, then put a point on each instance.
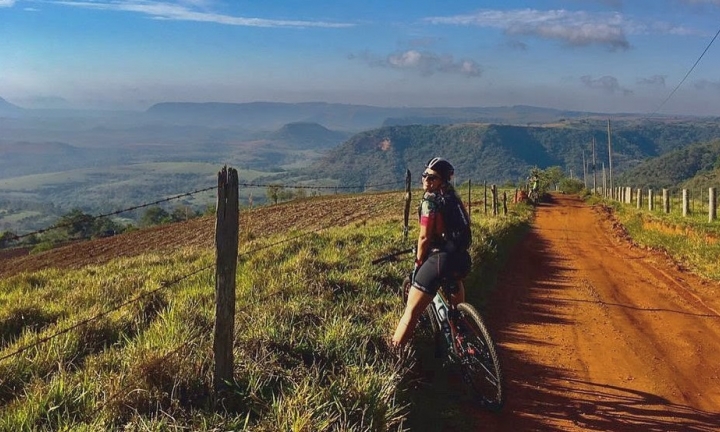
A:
(128, 345)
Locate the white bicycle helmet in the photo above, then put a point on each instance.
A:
(442, 167)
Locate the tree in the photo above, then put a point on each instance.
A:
(182, 212)
(76, 224)
(154, 216)
(6, 238)
(274, 192)
(552, 176)
(104, 227)
(571, 186)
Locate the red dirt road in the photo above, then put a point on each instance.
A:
(597, 334)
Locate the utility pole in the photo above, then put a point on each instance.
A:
(605, 194)
(584, 170)
(594, 169)
(610, 160)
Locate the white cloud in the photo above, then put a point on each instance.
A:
(187, 12)
(425, 63)
(577, 28)
(7, 3)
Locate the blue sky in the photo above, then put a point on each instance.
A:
(589, 55)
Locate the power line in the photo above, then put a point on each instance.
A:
(686, 75)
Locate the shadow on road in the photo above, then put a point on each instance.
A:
(538, 397)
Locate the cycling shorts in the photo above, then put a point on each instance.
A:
(439, 266)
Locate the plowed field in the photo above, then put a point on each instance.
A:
(323, 212)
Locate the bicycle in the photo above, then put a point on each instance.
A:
(461, 335)
(534, 197)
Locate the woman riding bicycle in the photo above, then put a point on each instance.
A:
(437, 258)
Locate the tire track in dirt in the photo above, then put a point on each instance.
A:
(596, 334)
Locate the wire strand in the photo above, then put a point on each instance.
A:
(686, 76)
(81, 323)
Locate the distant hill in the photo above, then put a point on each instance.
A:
(272, 115)
(694, 166)
(500, 153)
(6, 108)
(304, 135)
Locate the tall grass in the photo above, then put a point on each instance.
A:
(693, 241)
(311, 353)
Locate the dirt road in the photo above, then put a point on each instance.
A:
(596, 334)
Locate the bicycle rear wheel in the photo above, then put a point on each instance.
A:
(478, 358)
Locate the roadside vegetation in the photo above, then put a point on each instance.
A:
(128, 345)
(692, 241)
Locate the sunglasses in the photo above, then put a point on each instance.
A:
(429, 177)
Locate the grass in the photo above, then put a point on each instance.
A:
(693, 241)
(312, 323)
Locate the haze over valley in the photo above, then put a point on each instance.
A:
(105, 105)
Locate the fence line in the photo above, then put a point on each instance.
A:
(683, 200)
(92, 218)
(144, 372)
(163, 285)
(15, 237)
(166, 284)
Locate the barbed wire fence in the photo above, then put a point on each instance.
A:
(223, 343)
(164, 285)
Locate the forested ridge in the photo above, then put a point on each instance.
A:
(505, 153)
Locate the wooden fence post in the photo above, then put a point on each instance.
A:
(493, 191)
(469, 199)
(485, 197)
(666, 201)
(651, 200)
(505, 203)
(685, 203)
(712, 213)
(226, 251)
(408, 197)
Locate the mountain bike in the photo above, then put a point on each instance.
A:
(461, 336)
(534, 197)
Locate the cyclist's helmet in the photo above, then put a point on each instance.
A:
(442, 167)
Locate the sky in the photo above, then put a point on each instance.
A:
(610, 56)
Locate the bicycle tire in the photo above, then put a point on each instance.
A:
(479, 360)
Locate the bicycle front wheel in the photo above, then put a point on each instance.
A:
(478, 358)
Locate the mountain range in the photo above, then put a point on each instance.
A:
(104, 160)
(502, 153)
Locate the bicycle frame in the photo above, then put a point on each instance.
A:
(447, 326)
(442, 308)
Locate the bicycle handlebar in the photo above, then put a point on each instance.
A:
(392, 256)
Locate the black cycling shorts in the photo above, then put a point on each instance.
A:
(441, 265)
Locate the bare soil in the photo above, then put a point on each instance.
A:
(255, 224)
(597, 334)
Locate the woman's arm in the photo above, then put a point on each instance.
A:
(427, 224)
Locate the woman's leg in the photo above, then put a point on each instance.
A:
(416, 304)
